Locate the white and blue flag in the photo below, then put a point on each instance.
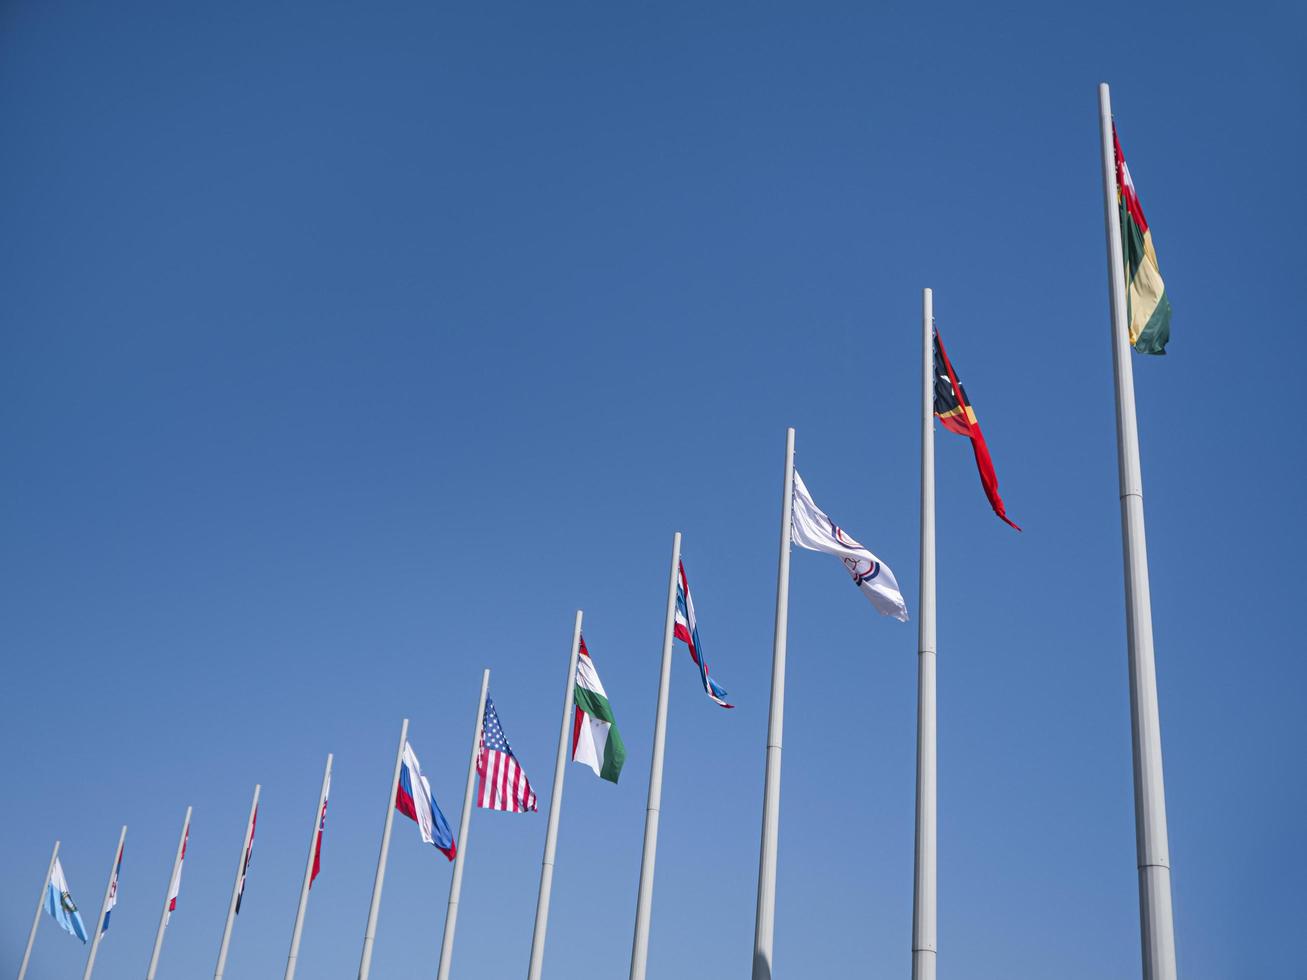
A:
(60, 904)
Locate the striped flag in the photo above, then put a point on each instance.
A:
(113, 888)
(504, 785)
(414, 799)
(317, 841)
(245, 865)
(59, 903)
(595, 739)
(175, 886)
(1148, 309)
(687, 631)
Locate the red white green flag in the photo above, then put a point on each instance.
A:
(1148, 311)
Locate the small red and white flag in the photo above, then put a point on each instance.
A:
(317, 841)
(175, 886)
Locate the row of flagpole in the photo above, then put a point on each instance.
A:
(1156, 919)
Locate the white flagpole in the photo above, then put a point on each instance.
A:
(555, 805)
(456, 880)
(308, 875)
(163, 919)
(653, 809)
(1156, 924)
(924, 864)
(104, 906)
(236, 887)
(765, 922)
(370, 934)
(36, 920)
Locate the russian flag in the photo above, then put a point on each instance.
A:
(413, 798)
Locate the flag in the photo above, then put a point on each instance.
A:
(954, 411)
(687, 631)
(175, 886)
(1148, 311)
(317, 841)
(810, 528)
(245, 865)
(113, 888)
(504, 785)
(595, 740)
(60, 904)
(414, 799)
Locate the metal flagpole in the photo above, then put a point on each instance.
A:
(36, 919)
(555, 805)
(644, 899)
(765, 923)
(236, 887)
(104, 906)
(370, 935)
(163, 919)
(1156, 925)
(456, 881)
(308, 875)
(924, 865)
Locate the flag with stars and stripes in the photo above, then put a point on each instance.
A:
(504, 785)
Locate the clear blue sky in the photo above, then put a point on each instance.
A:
(347, 349)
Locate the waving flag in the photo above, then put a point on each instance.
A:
(504, 785)
(175, 886)
(59, 903)
(595, 740)
(317, 841)
(245, 865)
(954, 411)
(810, 528)
(414, 799)
(1148, 309)
(113, 888)
(687, 631)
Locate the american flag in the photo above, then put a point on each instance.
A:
(504, 785)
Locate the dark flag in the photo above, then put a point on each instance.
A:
(954, 411)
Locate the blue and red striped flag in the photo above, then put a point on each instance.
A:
(687, 631)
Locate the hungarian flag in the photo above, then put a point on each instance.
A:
(1148, 311)
(954, 411)
(595, 740)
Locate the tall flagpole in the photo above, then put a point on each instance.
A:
(644, 898)
(555, 805)
(370, 934)
(291, 960)
(104, 906)
(167, 898)
(1156, 925)
(456, 880)
(765, 922)
(236, 887)
(924, 863)
(36, 919)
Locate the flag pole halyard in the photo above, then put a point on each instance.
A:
(370, 934)
(555, 806)
(1156, 922)
(456, 879)
(167, 898)
(924, 919)
(104, 906)
(236, 887)
(36, 919)
(302, 910)
(653, 809)
(765, 921)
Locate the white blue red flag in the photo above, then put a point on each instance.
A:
(113, 888)
(317, 841)
(414, 799)
(687, 631)
(504, 785)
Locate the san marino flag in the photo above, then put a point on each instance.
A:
(59, 903)
(595, 741)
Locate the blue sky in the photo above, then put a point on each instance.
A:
(346, 350)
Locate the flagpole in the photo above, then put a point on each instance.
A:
(653, 809)
(1156, 924)
(104, 905)
(765, 922)
(36, 919)
(167, 897)
(370, 934)
(303, 907)
(456, 880)
(555, 805)
(924, 894)
(236, 887)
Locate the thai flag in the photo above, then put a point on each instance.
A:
(113, 888)
(687, 631)
(413, 798)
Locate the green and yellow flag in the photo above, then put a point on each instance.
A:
(1148, 311)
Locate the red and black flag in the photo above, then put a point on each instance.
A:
(954, 411)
